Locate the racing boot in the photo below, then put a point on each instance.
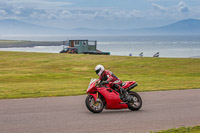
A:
(124, 95)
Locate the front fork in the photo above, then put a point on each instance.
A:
(97, 99)
(96, 96)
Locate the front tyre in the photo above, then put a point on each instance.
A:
(136, 101)
(94, 106)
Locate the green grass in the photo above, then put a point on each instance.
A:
(195, 129)
(44, 74)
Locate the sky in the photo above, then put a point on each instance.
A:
(100, 14)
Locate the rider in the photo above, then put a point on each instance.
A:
(107, 77)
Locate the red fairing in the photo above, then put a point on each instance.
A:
(128, 83)
(92, 88)
(112, 98)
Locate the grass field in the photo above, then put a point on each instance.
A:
(195, 129)
(41, 74)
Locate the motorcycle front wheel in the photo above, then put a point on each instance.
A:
(94, 106)
(136, 101)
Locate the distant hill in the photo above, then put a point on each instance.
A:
(15, 27)
(189, 26)
(183, 27)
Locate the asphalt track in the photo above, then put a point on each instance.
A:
(161, 110)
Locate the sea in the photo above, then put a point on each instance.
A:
(182, 46)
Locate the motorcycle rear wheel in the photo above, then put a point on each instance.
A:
(136, 102)
(92, 105)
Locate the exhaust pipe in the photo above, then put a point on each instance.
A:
(131, 87)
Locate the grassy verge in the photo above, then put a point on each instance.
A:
(195, 129)
(44, 74)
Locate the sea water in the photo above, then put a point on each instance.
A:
(167, 46)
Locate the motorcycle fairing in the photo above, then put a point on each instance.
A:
(128, 83)
(112, 98)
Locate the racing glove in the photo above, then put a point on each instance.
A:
(104, 82)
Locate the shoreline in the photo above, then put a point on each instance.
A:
(24, 43)
(28, 46)
(57, 46)
(193, 57)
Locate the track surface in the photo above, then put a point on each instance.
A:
(161, 110)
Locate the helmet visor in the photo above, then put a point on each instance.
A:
(97, 71)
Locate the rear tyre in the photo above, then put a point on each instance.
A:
(136, 101)
(92, 105)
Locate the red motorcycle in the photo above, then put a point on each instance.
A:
(103, 96)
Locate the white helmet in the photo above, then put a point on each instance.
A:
(99, 69)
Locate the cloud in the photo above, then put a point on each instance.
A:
(37, 4)
(182, 7)
(159, 7)
(54, 9)
(29, 8)
(2, 12)
(57, 11)
(116, 14)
